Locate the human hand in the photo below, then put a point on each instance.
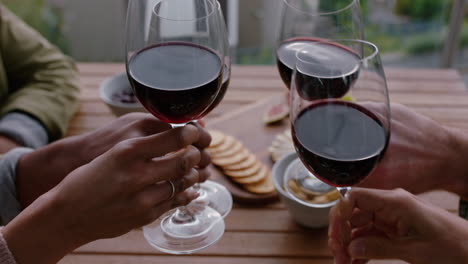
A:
(422, 155)
(120, 190)
(378, 224)
(39, 171)
(7, 144)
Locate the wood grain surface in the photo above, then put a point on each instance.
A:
(263, 234)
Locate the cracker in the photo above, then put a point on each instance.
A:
(283, 138)
(281, 145)
(223, 147)
(251, 171)
(275, 156)
(235, 149)
(262, 187)
(217, 137)
(239, 157)
(257, 177)
(249, 162)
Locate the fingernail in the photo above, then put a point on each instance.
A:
(356, 249)
(193, 195)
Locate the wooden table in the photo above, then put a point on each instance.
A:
(264, 234)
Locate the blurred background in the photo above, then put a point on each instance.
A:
(410, 33)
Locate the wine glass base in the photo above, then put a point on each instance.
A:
(170, 237)
(216, 196)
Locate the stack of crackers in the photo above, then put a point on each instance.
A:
(239, 164)
(282, 145)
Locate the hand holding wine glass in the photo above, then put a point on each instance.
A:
(175, 62)
(383, 224)
(339, 141)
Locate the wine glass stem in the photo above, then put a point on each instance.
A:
(183, 216)
(343, 191)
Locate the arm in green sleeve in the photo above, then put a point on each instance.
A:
(42, 81)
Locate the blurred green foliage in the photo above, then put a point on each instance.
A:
(339, 4)
(424, 43)
(47, 19)
(431, 42)
(260, 56)
(420, 9)
(385, 41)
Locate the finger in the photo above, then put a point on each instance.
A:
(389, 206)
(173, 166)
(186, 182)
(205, 138)
(334, 219)
(361, 218)
(339, 228)
(154, 194)
(181, 199)
(201, 122)
(165, 142)
(147, 123)
(163, 191)
(339, 252)
(203, 174)
(374, 247)
(366, 231)
(339, 235)
(205, 159)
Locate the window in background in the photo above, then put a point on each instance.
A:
(409, 33)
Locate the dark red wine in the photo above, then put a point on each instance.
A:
(328, 71)
(222, 91)
(286, 57)
(339, 142)
(177, 81)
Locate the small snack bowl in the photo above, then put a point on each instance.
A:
(314, 215)
(117, 93)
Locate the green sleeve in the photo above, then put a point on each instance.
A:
(42, 81)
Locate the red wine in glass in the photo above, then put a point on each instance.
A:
(335, 78)
(167, 85)
(339, 142)
(222, 91)
(286, 56)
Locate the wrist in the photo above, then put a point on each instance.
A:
(41, 233)
(41, 170)
(456, 179)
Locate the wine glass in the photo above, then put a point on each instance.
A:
(305, 21)
(174, 61)
(338, 140)
(213, 194)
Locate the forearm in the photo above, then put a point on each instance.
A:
(41, 170)
(21, 130)
(456, 179)
(41, 234)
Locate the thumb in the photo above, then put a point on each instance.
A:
(382, 248)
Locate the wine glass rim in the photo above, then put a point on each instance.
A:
(352, 2)
(214, 8)
(374, 47)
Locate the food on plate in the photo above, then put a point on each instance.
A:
(276, 113)
(281, 145)
(239, 164)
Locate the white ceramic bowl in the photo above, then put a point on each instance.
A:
(112, 85)
(306, 214)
